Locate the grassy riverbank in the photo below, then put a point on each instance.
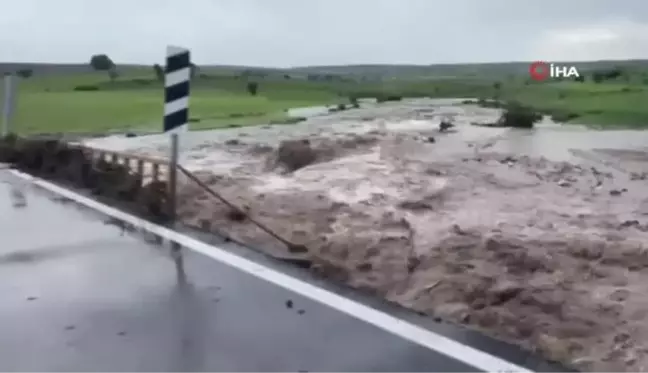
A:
(609, 105)
(89, 102)
(604, 105)
(63, 103)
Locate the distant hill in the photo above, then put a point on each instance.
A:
(81, 68)
(382, 70)
(47, 68)
(500, 68)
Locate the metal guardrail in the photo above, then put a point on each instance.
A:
(149, 168)
(153, 169)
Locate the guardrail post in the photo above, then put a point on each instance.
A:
(176, 249)
(155, 171)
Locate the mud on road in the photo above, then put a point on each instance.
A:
(549, 255)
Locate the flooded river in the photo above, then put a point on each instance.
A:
(487, 227)
(548, 139)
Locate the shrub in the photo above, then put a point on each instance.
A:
(518, 116)
(140, 81)
(385, 98)
(295, 154)
(86, 88)
(288, 120)
(563, 116)
(25, 73)
(252, 88)
(494, 104)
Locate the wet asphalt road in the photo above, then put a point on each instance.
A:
(78, 295)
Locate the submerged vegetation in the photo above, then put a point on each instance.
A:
(518, 116)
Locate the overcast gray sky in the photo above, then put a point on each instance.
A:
(320, 32)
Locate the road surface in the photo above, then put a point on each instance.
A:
(78, 294)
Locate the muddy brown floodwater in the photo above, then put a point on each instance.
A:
(548, 254)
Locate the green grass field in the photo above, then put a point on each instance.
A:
(50, 103)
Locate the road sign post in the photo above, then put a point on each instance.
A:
(176, 120)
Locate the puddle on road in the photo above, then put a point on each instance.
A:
(15, 190)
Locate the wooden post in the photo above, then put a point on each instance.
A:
(156, 171)
(140, 170)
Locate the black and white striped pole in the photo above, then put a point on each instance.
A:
(176, 120)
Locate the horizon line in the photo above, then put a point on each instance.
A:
(337, 65)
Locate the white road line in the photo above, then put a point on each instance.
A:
(401, 328)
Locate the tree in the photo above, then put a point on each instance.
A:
(253, 88)
(194, 70)
(497, 86)
(113, 74)
(159, 72)
(101, 62)
(614, 73)
(611, 74)
(580, 79)
(25, 73)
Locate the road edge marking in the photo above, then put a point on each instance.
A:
(406, 330)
